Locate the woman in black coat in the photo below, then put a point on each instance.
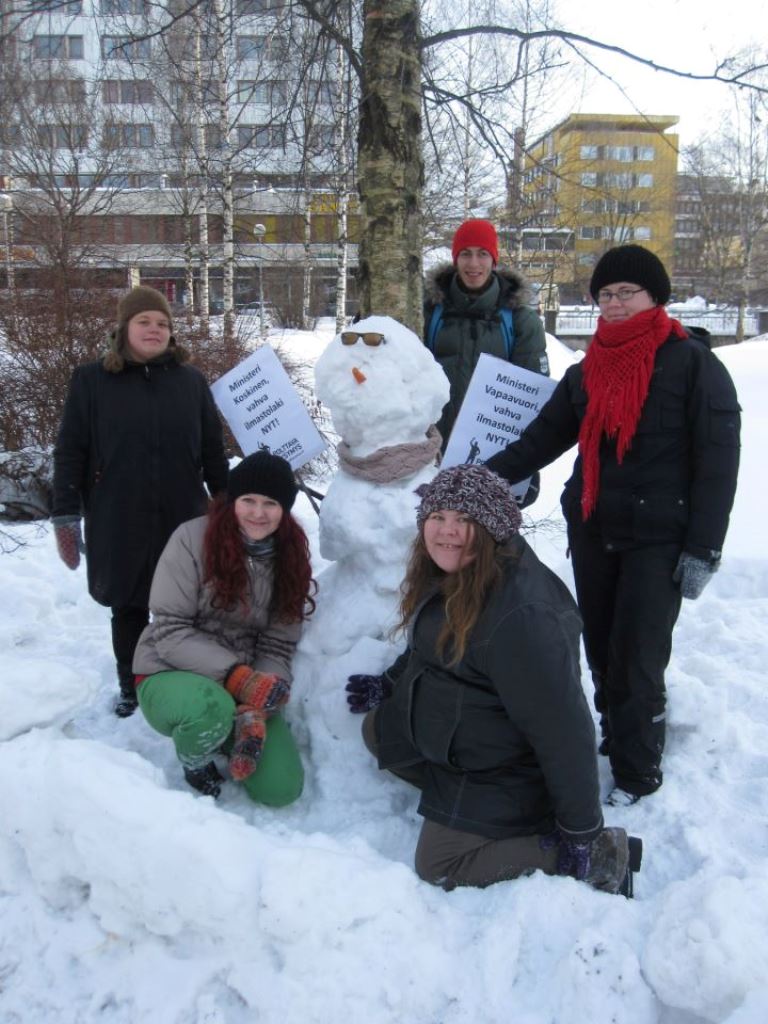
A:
(485, 712)
(139, 437)
(656, 419)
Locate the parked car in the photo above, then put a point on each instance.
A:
(271, 318)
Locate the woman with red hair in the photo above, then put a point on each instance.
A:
(228, 599)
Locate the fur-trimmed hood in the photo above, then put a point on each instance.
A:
(114, 359)
(515, 291)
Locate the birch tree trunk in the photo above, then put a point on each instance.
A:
(342, 197)
(306, 291)
(223, 64)
(202, 147)
(391, 169)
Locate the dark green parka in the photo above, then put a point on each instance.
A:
(505, 735)
(471, 326)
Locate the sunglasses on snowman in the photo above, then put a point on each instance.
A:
(370, 338)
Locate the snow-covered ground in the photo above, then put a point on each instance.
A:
(125, 898)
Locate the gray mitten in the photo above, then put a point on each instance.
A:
(693, 574)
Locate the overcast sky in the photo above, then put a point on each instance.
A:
(691, 35)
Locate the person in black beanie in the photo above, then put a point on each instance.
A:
(656, 419)
(213, 668)
(140, 440)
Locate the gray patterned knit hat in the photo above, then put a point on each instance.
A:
(478, 493)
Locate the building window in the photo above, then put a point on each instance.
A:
(127, 90)
(624, 154)
(185, 93)
(57, 47)
(62, 136)
(70, 7)
(184, 136)
(622, 179)
(271, 93)
(321, 137)
(589, 178)
(588, 152)
(251, 7)
(586, 231)
(121, 6)
(322, 91)
(56, 91)
(128, 136)
(642, 234)
(125, 48)
(645, 181)
(272, 47)
(261, 136)
(646, 153)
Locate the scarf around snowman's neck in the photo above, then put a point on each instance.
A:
(393, 462)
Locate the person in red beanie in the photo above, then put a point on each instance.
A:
(472, 307)
(656, 419)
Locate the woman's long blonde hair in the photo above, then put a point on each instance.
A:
(465, 592)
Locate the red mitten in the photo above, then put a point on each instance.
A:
(250, 733)
(264, 691)
(69, 540)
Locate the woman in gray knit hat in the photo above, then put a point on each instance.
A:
(139, 439)
(484, 712)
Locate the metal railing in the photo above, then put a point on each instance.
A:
(720, 323)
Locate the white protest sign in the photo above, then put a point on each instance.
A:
(263, 410)
(500, 402)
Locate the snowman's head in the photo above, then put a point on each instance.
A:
(381, 385)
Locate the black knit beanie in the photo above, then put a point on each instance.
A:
(635, 265)
(263, 473)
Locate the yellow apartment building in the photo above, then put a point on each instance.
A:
(594, 181)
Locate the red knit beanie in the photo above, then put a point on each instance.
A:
(480, 233)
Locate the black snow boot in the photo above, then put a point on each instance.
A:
(128, 701)
(627, 887)
(205, 780)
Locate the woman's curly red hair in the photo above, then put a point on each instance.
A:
(226, 570)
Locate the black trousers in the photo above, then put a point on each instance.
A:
(127, 626)
(629, 604)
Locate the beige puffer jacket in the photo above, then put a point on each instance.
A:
(189, 634)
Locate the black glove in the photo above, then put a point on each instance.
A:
(693, 574)
(366, 692)
(533, 491)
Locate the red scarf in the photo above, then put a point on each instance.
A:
(617, 373)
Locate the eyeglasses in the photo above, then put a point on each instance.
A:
(623, 295)
(370, 338)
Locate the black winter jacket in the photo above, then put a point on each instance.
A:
(506, 734)
(677, 481)
(133, 450)
(471, 327)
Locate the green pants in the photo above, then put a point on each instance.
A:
(198, 714)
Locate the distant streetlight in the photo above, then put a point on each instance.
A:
(6, 208)
(258, 233)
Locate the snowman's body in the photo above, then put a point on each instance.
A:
(384, 401)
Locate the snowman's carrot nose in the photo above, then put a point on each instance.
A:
(358, 375)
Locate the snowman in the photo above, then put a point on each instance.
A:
(384, 391)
